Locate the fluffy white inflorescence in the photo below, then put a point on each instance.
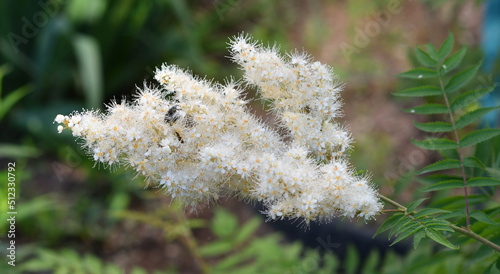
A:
(197, 140)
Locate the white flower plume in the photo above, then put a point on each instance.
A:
(197, 140)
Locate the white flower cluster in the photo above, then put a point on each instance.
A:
(197, 140)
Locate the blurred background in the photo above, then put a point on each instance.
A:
(57, 56)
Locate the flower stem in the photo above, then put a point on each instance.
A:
(466, 232)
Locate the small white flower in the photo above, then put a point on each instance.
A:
(59, 118)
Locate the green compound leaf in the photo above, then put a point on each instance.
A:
(435, 144)
(429, 211)
(419, 73)
(446, 47)
(434, 126)
(482, 217)
(482, 181)
(462, 78)
(472, 116)
(420, 91)
(424, 58)
(453, 61)
(437, 237)
(414, 205)
(479, 136)
(469, 97)
(450, 184)
(431, 49)
(389, 223)
(419, 235)
(428, 109)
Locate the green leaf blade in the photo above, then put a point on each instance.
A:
(451, 184)
(446, 47)
(462, 78)
(414, 205)
(435, 144)
(419, 235)
(472, 116)
(428, 109)
(421, 91)
(431, 49)
(441, 165)
(437, 237)
(482, 217)
(483, 181)
(469, 97)
(430, 211)
(424, 58)
(413, 228)
(389, 223)
(437, 126)
(453, 61)
(419, 73)
(479, 136)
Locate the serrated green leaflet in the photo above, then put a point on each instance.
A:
(446, 47)
(414, 205)
(482, 217)
(454, 214)
(461, 78)
(435, 144)
(493, 172)
(479, 136)
(245, 232)
(482, 181)
(424, 58)
(413, 228)
(419, 235)
(420, 91)
(441, 165)
(428, 109)
(434, 126)
(436, 178)
(437, 237)
(469, 97)
(389, 223)
(419, 73)
(455, 202)
(429, 211)
(473, 162)
(453, 61)
(445, 185)
(472, 116)
(440, 227)
(396, 229)
(433, 220)
(431, 49)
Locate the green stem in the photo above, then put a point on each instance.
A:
(458, 150)
(466, 232)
